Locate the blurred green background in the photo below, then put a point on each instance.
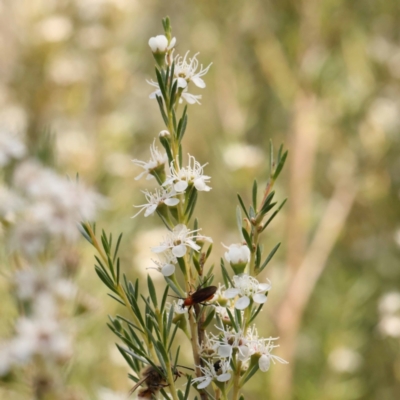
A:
(323, 77)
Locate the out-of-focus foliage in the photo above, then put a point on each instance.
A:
(322, 76)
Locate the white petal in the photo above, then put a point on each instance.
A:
(153, 44)
(224, 377)
(231, 293)
(264, 363)
(200, 185)
(180, 186)
(204, 384)
(171, 202)
(179, 251)
(242, 303)
(168, 269)
(149, 176)
(193, 245)
(225, 350)
(182, 83)
(264, 287)
(244, 352)
(172, 43)
(260, 298)
(150, 210)
(198, 82)
(159, 249)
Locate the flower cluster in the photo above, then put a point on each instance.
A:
(231, 355)
(248, 289)
(247, 348)
(42, 332)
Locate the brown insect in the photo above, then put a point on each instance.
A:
(199, 297)
(154, 382)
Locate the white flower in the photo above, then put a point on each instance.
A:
(186, 71)
(166, 262)
(209, 373)
(229, 340)
(154, 200)
(247, 287)
(157, 160)
(159, 44)
(237, 254)
(191, 175)
(40, 336)
(11, 147)
(54, 205)
(178, 240)
(190, 98)
(264, 347)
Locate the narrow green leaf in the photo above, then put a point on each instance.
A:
(280, 165)
(268, 259)
(273, 215)
(116, 299)
(117, 246)
(172, 99)
(249, 374)
(247, 238)
(255, 313)
(239, 219)
(271, 158)
(233, 321)
(243, 206)
(171, 341)
(161, 83)
(152, 291)
(188, 386)
(208, 318)
(161, 107)
(173, 286)
(225, 275)
(254, 193)
(105, 278)
(164, 299)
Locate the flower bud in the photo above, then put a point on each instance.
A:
(160, 46)
(164, 134)
(238, 255)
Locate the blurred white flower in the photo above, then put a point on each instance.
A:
(389, 325)
(159, 44)
(389, 303)
(55, 204)
(186, 71)
(108, 394)
(191, 175)
(10, 203)
(156, 199)
(222, 374)
(40, 336)
(178, 240)
(56, 28)
(247, 287)
(344, 359)
(6, 358)
(157, 160)
(30, 282)
(11, 147)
